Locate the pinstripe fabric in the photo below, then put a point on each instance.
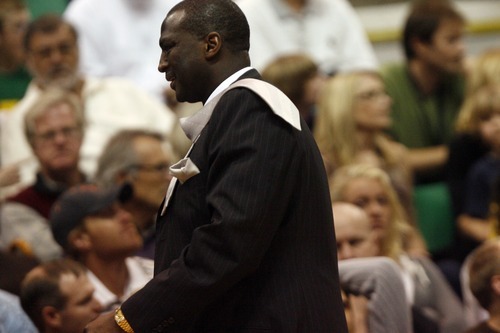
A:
(247, 245)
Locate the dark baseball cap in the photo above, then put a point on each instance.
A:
(81, 201)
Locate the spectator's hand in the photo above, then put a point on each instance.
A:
(105, 323)
(359, 312)
(9, 175)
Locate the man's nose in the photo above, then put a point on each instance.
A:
(162, 64)
(56, 55)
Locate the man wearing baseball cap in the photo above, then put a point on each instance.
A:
(92, 227)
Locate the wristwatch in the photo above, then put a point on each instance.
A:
(122, 322)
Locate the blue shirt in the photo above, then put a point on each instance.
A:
(12, 317)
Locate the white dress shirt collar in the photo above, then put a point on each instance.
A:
(227, 82)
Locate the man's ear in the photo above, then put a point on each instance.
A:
(80, 240)
(213, 44)
(51, 316)
(420, 47)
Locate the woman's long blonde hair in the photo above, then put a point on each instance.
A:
(399, 229)
(335, 126)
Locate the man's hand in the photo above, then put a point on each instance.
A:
(9, 175)
(105, 323)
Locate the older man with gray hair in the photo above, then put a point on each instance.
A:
(140, 158)
(54, 129)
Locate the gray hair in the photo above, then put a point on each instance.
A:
(47, 100)
(119, 156)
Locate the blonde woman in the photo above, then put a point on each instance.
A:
(426, 288)
(353, 114)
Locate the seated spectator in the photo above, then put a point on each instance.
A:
(12, 317)
(298, 76)
(54, 130)
(356, 239)
(139, 158)
(484, 275)
(427, 290)
(58, 297)
(354, 112)
(427, 90)
(482, 113)
(110, 104)
(14, 78)
(93, 228)
(328, 31)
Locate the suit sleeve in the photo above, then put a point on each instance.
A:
(252, 158)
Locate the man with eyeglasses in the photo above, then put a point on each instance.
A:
(142, 159)
(54, 130)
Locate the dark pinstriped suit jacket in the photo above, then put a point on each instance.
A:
(247, 245)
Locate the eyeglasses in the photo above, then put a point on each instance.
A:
(371, 94)
(64, 48)
(69, 132)
(160, 167)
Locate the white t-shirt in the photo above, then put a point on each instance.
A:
(140, 272)
(327, 30)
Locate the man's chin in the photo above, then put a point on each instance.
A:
(62, 167)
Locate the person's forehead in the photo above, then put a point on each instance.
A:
(75, 287)
(449, 24)
(350, 227)
(173, 21)
(57, 113)
(363, 186)
(62, 32)
(147, 146)
(67, 283)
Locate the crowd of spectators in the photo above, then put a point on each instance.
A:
(89, 129)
